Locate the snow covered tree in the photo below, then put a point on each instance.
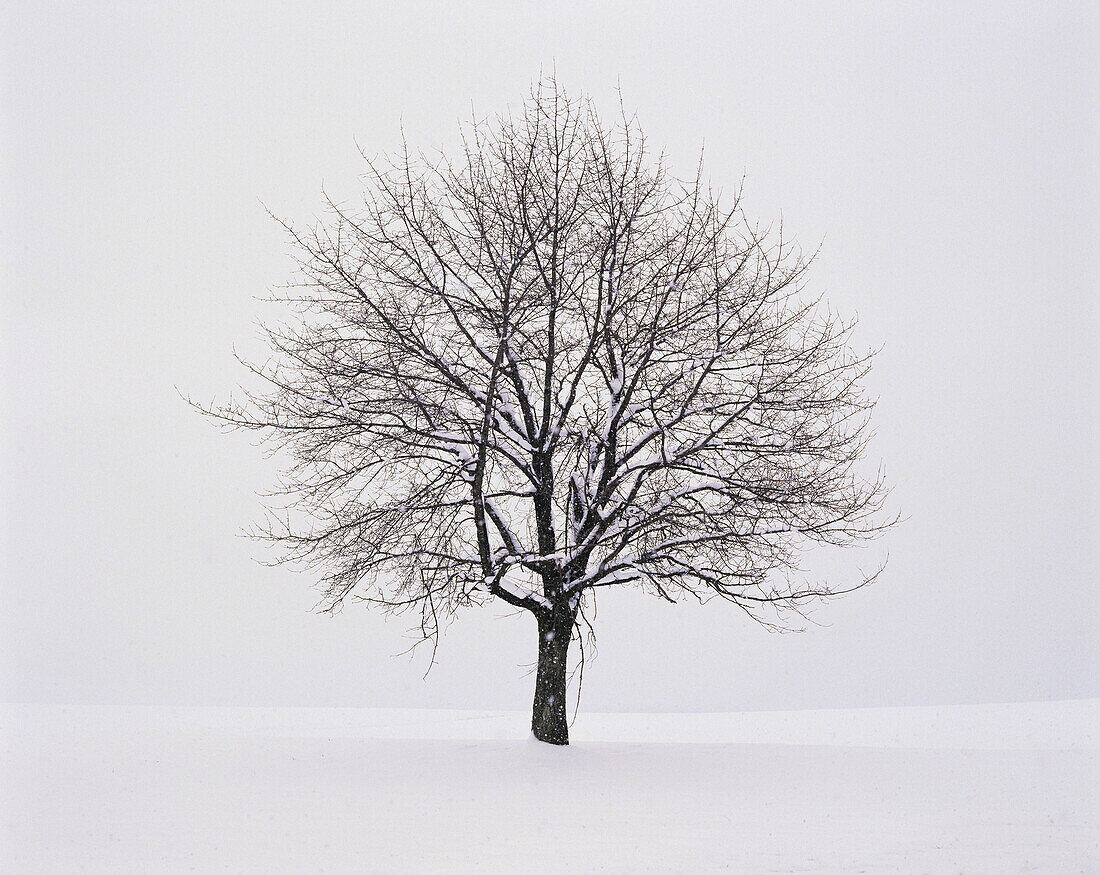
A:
(549, 367)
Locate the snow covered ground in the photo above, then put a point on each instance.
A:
(999, 788)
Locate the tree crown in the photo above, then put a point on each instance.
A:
(549, 366)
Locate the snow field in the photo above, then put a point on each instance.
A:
(340, 790)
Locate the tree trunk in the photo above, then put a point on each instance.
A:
(548, 721)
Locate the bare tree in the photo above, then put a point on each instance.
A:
(550, 367)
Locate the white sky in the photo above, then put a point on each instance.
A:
(948, 159)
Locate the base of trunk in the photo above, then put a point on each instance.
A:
(548, 716)
(552, 737)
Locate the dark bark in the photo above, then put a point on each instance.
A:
(548, 716)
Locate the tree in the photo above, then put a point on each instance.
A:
(550, 367)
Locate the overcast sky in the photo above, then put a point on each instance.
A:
(946, 161)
